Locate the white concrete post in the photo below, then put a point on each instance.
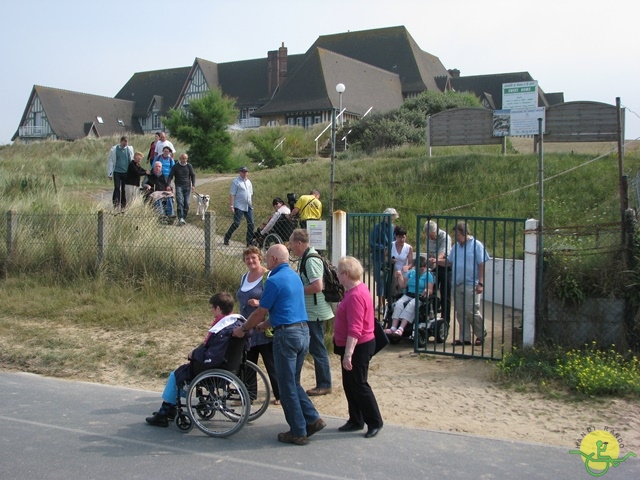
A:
(530, 282)
(339, 227)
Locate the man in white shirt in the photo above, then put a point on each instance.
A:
(163, 142)
(240, 204)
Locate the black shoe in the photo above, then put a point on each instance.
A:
(372, 432)
(158, 420)
(350, 427)
(171, 412)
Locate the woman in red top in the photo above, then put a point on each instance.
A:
(355, 343)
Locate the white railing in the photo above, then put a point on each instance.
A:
(344, 139)
(327, 128)
(32, 131)
(249, 122)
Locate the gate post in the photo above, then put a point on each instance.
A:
(530, 282)
(339, 240)
(102, 242)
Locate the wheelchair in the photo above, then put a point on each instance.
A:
(220, 401)
(280, 233)
(429, 326)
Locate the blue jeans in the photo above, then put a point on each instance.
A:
(237, 217)
(318, 351)
(170, 393)
(290, 346)
(167, 208)
(183, 198)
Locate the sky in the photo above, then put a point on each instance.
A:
(585, 49)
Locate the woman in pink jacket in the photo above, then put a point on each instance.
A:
(355, 343)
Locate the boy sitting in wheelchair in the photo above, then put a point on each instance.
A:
(404, 308)
(279, 224)
(210, 354)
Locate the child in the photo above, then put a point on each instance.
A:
(405, 307)
(207, 356)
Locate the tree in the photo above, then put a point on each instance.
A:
(406, 124)
(203, 126)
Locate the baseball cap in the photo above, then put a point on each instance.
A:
(243, 169)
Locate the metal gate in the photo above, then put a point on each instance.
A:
(500, 304)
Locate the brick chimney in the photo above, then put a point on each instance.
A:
(276, 68)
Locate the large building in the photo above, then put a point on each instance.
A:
(380, 69)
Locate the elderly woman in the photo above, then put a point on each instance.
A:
(355, 343)
(249, 293)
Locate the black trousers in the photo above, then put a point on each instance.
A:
(363, 407)
(443, 287)
(266, 350)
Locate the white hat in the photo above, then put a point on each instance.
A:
(392, 211)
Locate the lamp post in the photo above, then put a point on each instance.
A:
(340, 88)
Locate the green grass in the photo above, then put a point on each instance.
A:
(66, 324)
(590, 371)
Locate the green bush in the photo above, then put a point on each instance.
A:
(266, 150)
(406, 124)
(589, 371)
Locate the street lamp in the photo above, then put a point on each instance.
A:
(340, 88)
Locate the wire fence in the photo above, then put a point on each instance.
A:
(589, 288)
(590, 285)
(122, 246)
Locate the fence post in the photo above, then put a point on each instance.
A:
(428, 136)
(207, 243)
(629, 226)
(101, 237)
(339, 240)
(530, 282)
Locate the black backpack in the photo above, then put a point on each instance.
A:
(331, 288)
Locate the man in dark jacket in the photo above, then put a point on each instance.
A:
(158, 190)
(185, 181)
(210, 354)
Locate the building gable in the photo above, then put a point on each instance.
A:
(67, 113)
(391, 49)
(312, 88)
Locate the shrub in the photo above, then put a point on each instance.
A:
(590, 371)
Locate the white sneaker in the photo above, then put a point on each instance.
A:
(182, 221)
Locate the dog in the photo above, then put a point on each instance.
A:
(203, 203)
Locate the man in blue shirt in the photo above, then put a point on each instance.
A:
(468, 257)
(283, 300)
(240, 204)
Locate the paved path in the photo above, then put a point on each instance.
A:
(58, 429)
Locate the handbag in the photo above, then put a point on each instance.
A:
(381, 338)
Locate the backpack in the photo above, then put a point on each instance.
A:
(331, 288)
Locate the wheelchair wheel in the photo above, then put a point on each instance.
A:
(218, 403)
(270, 239)
(183, 422)
(422, 336)
(258, 387)
(440, 330)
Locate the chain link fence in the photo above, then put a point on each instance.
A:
(126, 247)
